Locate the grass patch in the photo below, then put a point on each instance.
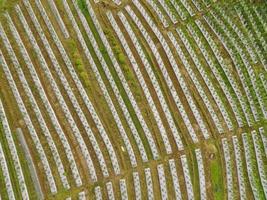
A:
(216, 178)
(82, 5)
(216, 173)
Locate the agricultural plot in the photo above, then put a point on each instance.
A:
(133, 99)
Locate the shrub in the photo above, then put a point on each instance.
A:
(121, 58)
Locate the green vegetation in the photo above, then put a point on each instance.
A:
(121, 58)
(78, 63)
(82, 5)
(217, 179)
(122, 61)
(213, 157)
(10, 164)
(216, 172)
(26, 170)
(193, 169)
(255, 172)
(130, 77)
(2, 185)
(2, 182)
(7, 4)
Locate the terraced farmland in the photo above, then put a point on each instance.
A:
(133, 99)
